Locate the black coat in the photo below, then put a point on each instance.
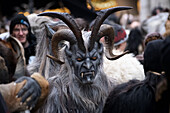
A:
(3, 107)
(30, 50)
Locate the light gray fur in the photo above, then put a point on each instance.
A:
(42, 63)
(87, 98)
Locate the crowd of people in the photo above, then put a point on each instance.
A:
(146, 45)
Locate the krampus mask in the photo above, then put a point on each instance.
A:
(85, 52)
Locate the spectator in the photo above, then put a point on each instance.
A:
(165, 55)
(165, 61)
(155, 23)
(151, 37)
(167, 27)
(135, 41)
(157, 10)
(152, 56)
(20, 29)
(117, 69)
(152, 64)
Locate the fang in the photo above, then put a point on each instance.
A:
(82, 75)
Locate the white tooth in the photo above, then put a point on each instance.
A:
(93, 73)
(88, 78)
(82, 75)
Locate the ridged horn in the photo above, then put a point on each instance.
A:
(60, 35)
(103, 14)
(66, 18)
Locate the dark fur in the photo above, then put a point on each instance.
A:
(136, 97)
(10, 59)
(134, 41)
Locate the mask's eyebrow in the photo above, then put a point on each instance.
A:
(79, 54)
(93, 53)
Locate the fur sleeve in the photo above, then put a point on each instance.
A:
(44, 89)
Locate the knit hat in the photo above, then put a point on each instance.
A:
(19, 19)
(120, 35)
(152, 56)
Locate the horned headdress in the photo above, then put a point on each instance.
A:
(74, 34)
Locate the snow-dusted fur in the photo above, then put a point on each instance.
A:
(123, 69)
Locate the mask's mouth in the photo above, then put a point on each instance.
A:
(87, 77)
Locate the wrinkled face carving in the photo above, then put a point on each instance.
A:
(85, 64)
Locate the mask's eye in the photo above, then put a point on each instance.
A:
(94, 58)
(79, 59)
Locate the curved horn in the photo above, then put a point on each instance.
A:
(71, 24)
(103, 14)
(63, 34)
(107, 30)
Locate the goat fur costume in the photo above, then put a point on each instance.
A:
(41, 63)
(80, 86)
(124, 69)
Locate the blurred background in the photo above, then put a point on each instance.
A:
(142, 9)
